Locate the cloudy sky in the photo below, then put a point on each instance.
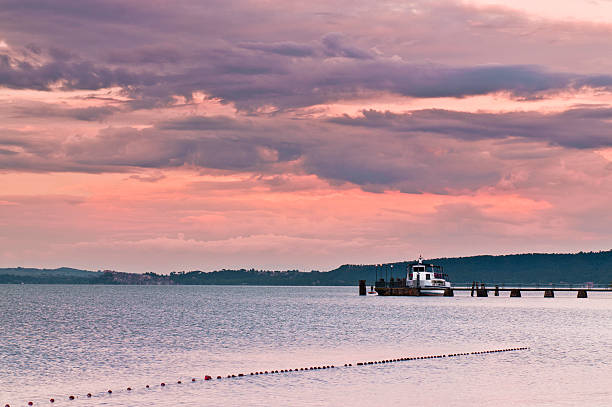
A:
(176, 135)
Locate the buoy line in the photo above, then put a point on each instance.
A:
(301, 369)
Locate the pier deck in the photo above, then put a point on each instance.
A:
(464, 288)
(397, 288)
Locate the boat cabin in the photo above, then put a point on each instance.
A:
(420, 279)
(420, 275)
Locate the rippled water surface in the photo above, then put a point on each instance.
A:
(57, 341)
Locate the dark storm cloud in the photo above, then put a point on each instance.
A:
(252, 80)
(286, 48)
(336, 45)
(23, 74)
(283, 74)
(580, 127)
(146, 55)
(45, 110)
(202, 123)
(330, 45)
(298, 56)
(92, 10)
(8, 152)
(377, 151)
(149, 148)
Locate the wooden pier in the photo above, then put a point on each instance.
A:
(396, 288)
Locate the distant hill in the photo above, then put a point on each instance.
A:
(62, 271)
(529, 268)
(62, 275)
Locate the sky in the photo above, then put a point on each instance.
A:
(198, 135)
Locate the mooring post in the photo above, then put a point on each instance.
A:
(496, 290)
(549, 294)
(472, 292)
(448, 292)
(515, 292)
(482, 291)
(582, 294)
(362, 287)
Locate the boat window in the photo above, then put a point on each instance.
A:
(428, 277)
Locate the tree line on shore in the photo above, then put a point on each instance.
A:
(532, 268)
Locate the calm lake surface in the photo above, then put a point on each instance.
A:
(57, 341)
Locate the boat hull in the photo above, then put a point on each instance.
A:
(429, 292)
(409, 291)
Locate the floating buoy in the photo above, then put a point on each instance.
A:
(89, 395)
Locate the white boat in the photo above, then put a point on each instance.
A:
(426, 277)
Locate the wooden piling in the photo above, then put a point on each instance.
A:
(362, 287)
(515, 292)
(582, 294)
(497, 291)
(448, 292)
(482, 292)
(549, 294)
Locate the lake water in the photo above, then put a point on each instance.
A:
(57, 341)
